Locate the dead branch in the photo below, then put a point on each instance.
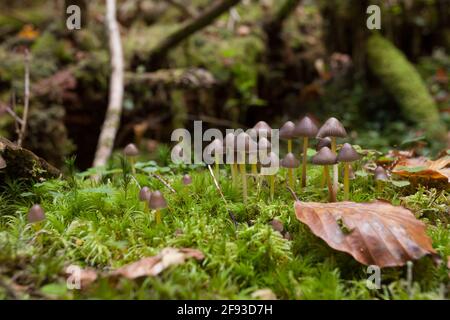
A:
(26, 102)
(114, 111)
(202, 20)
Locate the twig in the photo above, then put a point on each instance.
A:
(13, 108)
(14, 115)
(26, 102)
(292, 193)
(233, 218)
(164, 182)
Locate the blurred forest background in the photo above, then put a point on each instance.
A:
(272, 60)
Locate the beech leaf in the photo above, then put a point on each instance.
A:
(375, 233)
(424, 168)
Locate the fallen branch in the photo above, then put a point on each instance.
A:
(164, 182)
(202, 20)
(112, 119)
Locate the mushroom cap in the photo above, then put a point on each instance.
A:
(332, 128)
(36, 214)
(380, 174)
(2, 163)
(324, 157)
(131, 150)
(157, 200)
(323, 142)
(178, 150)
(263, 128)
(215, 146)
(245, 143)
(144, 194)
(272, 160)
(306, 128)
(186, 179)
(264, 144)
(347, 153)
(289, 161)
(287, 131)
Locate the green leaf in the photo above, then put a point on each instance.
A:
(400, 183)
(311, 152)
(361, 173)
(54, 289)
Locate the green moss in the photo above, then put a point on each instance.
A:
(403, 82)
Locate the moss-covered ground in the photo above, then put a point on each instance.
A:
(103, 225)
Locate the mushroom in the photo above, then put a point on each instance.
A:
(144, 196)
(264, 148)
(36, 214)
(290, 162)
(187, 180)
(380, 175)
(263, 129)
(326, 157)
(287, 133)
(305, 128)
(271, 161)
(2, 163)
(347, 155)
(131, 152)
(324, 142)
(245, 145)
(230, 151)
(333, 128)
(157, 202)
(215, 148)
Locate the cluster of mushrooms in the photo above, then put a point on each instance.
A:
(305, 130)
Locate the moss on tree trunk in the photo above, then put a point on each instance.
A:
(399, 77)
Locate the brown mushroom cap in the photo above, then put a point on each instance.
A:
(36, 214)
(332, 128)
(2, 163)
(263, 129)
(187, 180)
(157, 200)
(287, 131)
(347, 153)
(215, 146)
(245, 143)
(264, 144)
(306, 128)
(323, 142)
(131, 150)
(289, 161)
(324, 157)
(380, 174)
(144, 194)
(272, 160)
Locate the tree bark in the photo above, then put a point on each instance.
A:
(202, 20)
(112, 119)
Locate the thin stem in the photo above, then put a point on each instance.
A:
(331, 195)
(335, 167)
(216, 167)
(346, 180)
(133, 169)
(26, 102)
(272, 186)
(234, 173)
(158, 216)
(254, 169)
(305, 158)
(291, 177)
(289, 146)
(244, 181)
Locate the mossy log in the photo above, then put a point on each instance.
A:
(399, 77)
(20, 163)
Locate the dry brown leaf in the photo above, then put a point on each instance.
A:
(84, 276)
(375, 233)
(424, 168)
(152, 266)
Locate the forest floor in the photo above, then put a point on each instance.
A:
(104, 226)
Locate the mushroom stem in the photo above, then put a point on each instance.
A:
(133, 169)
(289, 145)
(346, 180)
(291, 177)
(216, 165)
(234, 172)
(254, 169)
(378, 186)
(158, 216)
(305, 158)
(331, 194)
(272, 186)
(335, 167)
(244, 181)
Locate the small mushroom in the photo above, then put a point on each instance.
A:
(263, 129)
(157, 202)
(380, 176)
(290, 162)
(287, 133)
(187, 180)
(36, 214)
(326, 157)
(333, 128)
(2, 163)
(230, 152)
(131, 152)
(306, 129)
(347, 155)
(277, 225)
(144, 196)
(323, 142)
(271, 161)
(245, 145)
(215, 148)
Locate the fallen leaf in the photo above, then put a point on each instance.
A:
(83, 276)
(375, 233)
(424, 168)
(152, 266)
